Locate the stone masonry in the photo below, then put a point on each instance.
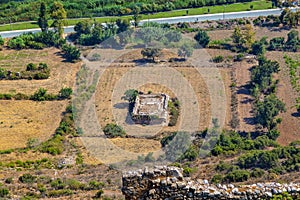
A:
(168, 183)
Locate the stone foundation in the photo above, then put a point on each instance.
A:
(164, 182)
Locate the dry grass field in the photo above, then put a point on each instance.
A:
(62, 74)
(107, 86)
(21, 120)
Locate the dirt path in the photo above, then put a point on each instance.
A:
(245, 111)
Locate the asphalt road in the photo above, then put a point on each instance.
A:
(172, 20)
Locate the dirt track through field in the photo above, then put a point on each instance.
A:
(245, 111)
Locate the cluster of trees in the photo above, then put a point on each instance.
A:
(35, 41)
(243, 39)
(151, 53)
(90, 32)
(289, 18)
(258, 163)
(32, 72)
(232, 142)
(267, 106)
(47, 38)
(291, 44)
(55, 145)
(14, 11)
(286, 18)
(40, 95)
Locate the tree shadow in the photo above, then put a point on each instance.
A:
(253, 134)
(128, 119)
(142, 61)
(296, 114)
(244, 89)
(249, 120)
(129, 107)
(121, 105)
(246, 100)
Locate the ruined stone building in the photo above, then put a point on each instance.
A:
(151, 109)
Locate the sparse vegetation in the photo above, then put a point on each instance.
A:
(174, 109)
(241, 155)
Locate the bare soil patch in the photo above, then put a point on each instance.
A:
(137, 145)
(226, 76)
(245, 110)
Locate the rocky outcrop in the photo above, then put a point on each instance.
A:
(164, 182)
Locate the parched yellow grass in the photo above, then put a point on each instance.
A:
(155, 89)
(112, 74)
(104, 91)
(21, 120)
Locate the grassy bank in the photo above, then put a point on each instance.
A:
(257, 5)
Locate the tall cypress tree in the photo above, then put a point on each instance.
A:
(42, 21)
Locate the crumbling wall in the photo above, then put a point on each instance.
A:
(164, 182)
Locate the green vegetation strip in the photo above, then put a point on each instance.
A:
(257, 5)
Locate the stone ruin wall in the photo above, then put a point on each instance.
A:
(164, 182)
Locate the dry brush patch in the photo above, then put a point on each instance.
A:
(62, 74)
(21, 120)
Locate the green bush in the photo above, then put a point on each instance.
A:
(20, 96)
(71, 53)
(59, 193)
(202, 38)
(27, 178)
(4, 192)
(9, 181)
(218, 59)
(94, 185)
(31, 67)
(237, 176)
(65, 93)
(99, 193)
(113, 130)
(217, 178)
(173, 107)
(53, 146)
(73, 184)
(57, 184)
(257, 173)
(41, 95)
(1, 41)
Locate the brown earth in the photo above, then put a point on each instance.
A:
(245, 110)
(290, 125)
